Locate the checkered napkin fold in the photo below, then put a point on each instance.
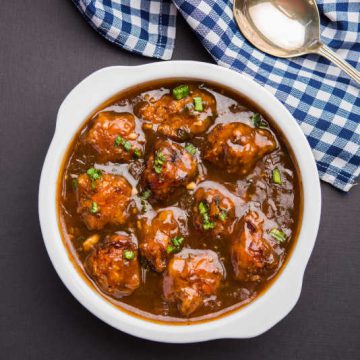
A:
(324, 101)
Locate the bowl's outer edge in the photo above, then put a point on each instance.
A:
(250, 321)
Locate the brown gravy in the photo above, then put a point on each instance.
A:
(281, 205)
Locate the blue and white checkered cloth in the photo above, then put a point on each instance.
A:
(324, 101)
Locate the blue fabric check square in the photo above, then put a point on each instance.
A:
(324, 101)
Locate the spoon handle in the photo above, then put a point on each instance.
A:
(339, 61)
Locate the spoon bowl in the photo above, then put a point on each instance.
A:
(286, 29)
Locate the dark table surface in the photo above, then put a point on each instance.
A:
(46, 49)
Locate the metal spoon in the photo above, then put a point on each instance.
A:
(286, 28)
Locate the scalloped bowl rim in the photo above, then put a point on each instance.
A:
(249, 321)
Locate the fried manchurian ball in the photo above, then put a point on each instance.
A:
(237, 147)
(168, 168)
(113, 265)
(103, 199)
(214, 212)
(114, 137)
(252, 256)
(191, 278)
(160, 237)
(178, 119)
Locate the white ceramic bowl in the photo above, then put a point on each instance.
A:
(249, 321)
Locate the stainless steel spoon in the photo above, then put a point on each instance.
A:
(286, 28)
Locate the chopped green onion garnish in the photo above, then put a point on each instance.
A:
(129, 255)
(74, 183)
(258, 122)
(223, 215)
(94, 174)
(177, 243)
(170, 249)
(159, 162)
(127, 146)
(121, 141)
(198, 104)
(137, 153)
(191, 149)
(94, 207)
(202, 208)
(181, 92)
(278, 235)
(208, 225)
(146, 194)
(204, 212)
(276, 176)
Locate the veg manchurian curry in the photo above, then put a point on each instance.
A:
(179, 202)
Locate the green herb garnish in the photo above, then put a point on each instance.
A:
(191, 149)
(129, 255)
(74, 183)
(276, 176)
(121, 141)
(208, 225)
(159, 162)
(145, 196)
(177, 243)
(94, 174)
(137, 153)
(204, 212)
(223, 215)
(94, 207)
(278, 235)
(198, 104)
(181, 92)
(258, 121)
(170, 249)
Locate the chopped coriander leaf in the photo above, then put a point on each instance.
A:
(137, 153)
(198, 104)
(191, 149)
(94, 207)
(94, 174)
(121, 141)
(258, 122)
(278, 235)
(276, 176)
(181, 92)
(129, 255)
(74, 183)
(223, 215)
(146, 194)
(159, 162)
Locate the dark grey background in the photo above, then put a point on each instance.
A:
(46, 49)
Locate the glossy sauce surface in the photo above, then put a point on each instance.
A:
(253, 192)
